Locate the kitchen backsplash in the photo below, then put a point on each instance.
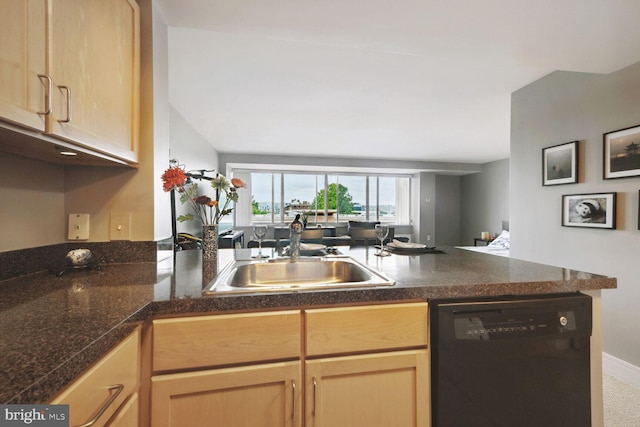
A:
(28, 261)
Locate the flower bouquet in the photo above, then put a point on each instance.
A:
(206, 209)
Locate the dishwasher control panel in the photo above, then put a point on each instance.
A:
(489, 326)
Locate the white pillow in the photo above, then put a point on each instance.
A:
(502, 241)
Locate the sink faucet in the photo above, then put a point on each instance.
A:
(295, 232)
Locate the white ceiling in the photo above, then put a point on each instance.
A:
(425, 80)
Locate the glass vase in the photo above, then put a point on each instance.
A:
(210, 243)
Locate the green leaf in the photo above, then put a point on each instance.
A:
(187, 217)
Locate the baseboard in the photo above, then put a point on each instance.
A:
(619, 368)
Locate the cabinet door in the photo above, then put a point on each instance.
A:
(94, 63)
(128, 414)
(251, 396)
(386, 389)
(22, 54)
(98, 394)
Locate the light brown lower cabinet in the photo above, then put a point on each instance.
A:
(385, 389)
(106, 395)
(350, 366)
(250, 396)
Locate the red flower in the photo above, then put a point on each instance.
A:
(173, 178)
(202, 200)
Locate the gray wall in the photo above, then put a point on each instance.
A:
(563, 107)
(424, 207)
(485, 201)
(447, 211)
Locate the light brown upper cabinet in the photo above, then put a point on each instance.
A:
(24, 85)
(70, 69)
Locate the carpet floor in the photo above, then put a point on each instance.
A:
(621, 403)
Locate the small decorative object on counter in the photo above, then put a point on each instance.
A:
(210, 242)
(76, 259)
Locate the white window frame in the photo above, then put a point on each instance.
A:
(244, 216)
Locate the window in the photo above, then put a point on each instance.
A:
(276, 197)
(348, 197)
(262, 197)
(300, 196)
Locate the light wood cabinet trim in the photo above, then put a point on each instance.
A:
(366, 328)
(87, 394)
(183, 386)
(205, 341)
(398, 380)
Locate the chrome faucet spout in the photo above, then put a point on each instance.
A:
(295, 233)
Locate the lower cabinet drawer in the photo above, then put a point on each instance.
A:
(99, 392)
(216, 340)
(366, 328)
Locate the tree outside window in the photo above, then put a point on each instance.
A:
(338, 199)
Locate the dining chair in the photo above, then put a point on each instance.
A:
(363, 236)
(312, 235)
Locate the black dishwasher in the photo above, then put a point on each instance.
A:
(516, 361)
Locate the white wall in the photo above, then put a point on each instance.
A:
(191, 149)
(563, 107)
(154, 88)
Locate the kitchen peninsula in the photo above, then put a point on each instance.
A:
(55, 328)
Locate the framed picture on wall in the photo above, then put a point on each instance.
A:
(622, 153)
(560, 164)
(596, 210)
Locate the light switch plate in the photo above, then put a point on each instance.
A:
(78, 226)
(120, 226)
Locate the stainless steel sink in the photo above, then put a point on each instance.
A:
(282, 274)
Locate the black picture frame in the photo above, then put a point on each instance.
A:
(560, 164)
(621, 153)
(591, 210)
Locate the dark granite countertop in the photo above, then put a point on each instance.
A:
(54, 328)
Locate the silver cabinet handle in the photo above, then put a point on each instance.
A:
(118, 389)
(293, 401)
(66, 89)
(315, 389)
(48, 97)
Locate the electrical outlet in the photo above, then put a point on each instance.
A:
(120, 226)
(78, 226)
(428, 237)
